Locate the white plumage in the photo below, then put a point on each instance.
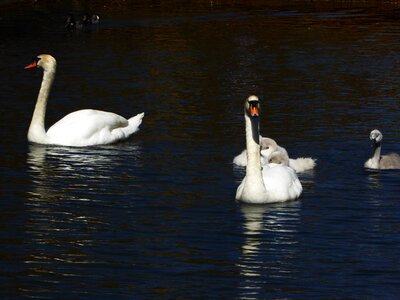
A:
(263, 184)
(85, 127)
(272, 154)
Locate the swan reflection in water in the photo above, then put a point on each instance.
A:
(72, 202)
(374, 180)
(269, 245)
(63, 174)
(58, 171)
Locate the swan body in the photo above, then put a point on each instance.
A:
(241, 159)
(85, 127)
(263, 184)
(278, 184)
(272, 154)
(378, 161)
(269, 151)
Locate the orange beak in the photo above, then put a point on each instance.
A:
(254, 111)
(32, 65)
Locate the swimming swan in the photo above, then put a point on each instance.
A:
(263, 184)
(85, 127)
(277, 156)
(389, 161)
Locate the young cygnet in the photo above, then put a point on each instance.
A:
(378, 161)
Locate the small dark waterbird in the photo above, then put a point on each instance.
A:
(87, 20)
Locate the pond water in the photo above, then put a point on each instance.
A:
(155, 216)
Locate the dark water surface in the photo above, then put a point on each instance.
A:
(155, 216)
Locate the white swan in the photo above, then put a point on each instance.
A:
(277, 156)
(263, 185)
(85, 127)
(389, 161)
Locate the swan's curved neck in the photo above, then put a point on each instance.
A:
(37, 131)
(377, 152)
(253, 168)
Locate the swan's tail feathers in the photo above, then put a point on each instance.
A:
(241, 159)
(302, 164)
(135, 122)
(296, 189)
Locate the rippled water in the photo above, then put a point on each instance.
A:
(155, 216)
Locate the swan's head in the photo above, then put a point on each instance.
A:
(376, 136)
(268, 146)
(279, 158)
(267, 143)
(270, 151)
(252, 106)
(44, 61)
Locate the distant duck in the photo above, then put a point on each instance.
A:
(272, 154)
(71, 24)
(87, 20)
(378, 161)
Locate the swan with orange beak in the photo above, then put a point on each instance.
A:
(263, 184)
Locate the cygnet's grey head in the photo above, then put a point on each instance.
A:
(272, 152)
(376, 136)
(268, 146)
(266, 143)
(279, 158)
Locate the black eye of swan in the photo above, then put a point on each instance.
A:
(253, 103)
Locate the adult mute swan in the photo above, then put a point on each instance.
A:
(277, 156)
(263, 185)
(85, 127)
(389, 161)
